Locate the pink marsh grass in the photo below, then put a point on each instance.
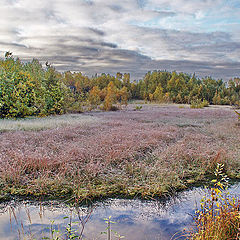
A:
(137, 148)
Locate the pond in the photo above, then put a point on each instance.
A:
(134, 219)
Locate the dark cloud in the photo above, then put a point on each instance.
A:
(116, 8)
(91, 56)
(111, 45)
(165, 13)
(97, 31)
(11, 45)
(138, 65)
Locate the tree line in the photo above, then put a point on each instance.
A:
(29, 89)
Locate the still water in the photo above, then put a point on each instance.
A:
(134, 219)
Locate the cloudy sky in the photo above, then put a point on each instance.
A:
(94, 36)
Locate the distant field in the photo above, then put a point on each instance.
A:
(146, 153)
(38, 124)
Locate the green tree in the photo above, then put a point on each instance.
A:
(158, 94)
(17, 95)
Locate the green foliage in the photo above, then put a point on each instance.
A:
(158, 94)
(108, 231)
(17, 95)
(238, 114)
(28, 89)
(138, 108)
(162, 86)
(199, 104)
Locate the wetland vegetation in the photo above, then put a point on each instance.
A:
(148, 153)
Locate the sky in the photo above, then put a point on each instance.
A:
(133, 36)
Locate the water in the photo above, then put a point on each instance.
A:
(135, 219)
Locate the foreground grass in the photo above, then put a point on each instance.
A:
(218, 220)
(148, 153)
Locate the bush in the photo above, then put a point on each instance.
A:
(238, 114)
(218, 217)
(138, 108)
(111, 108)
(199, 104)
(205, 103)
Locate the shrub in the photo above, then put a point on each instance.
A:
(219, 214)
(238, 114)
(205, 103)
(75, 107)
(138, 108)
(199, 104)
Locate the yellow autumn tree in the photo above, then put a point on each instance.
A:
(94, 96)
(150, 95)
(124, 96)
(111, 97)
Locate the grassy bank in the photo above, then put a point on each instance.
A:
(147, 153)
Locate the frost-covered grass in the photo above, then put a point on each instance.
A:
(37, 124)
(145, 153)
